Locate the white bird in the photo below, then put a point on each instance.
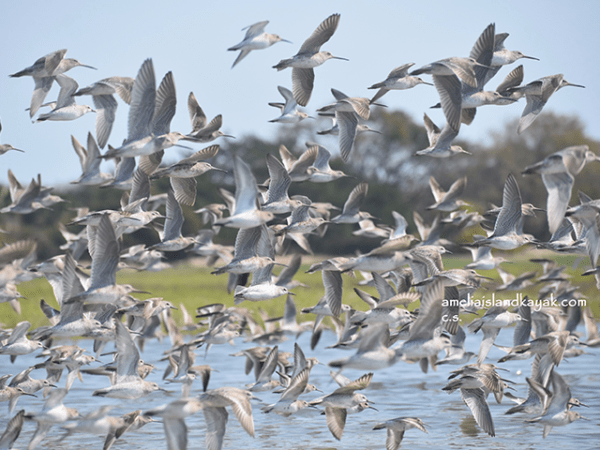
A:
(66, 108)
(289, 111)
(308, 57)
(256, 39)
(128, 384)
(398, 79)
(558, 174)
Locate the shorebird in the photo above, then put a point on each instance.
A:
(494, 319)
(557, 410)
(202, 130)
(278, 201)
(90, 163)
(440, 141)
(105, 260)
(255, 39)
(308, 57)
(373, 351)
(53, 413)
(350, 212)
(425, 339)
(246, 214)
(396, 428)
(463, 68)
(288, 403)
(289, 111)
(150, 116)
(347, 112)
(506, 235)
(66, 108)
(44, 72)
(538, 93)
(106, 106)
(7, 147)
(339, 402)
(473, 97)
(558, 173)
(128, 383)
(184, 172)
(18, 344)
(447, 201)
(172, 240)
(398, 79)
(502, 56)
(13, 430)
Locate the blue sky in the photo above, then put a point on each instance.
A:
(190, 38)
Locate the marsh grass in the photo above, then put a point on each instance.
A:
(192, 285)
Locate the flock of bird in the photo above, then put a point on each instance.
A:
(403, 269)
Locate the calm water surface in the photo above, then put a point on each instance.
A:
(401, 390)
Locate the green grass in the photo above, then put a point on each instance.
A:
(194, 286)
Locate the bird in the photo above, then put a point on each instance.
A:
(255, 39)
(556, 411)
(463, 68)
(339, 402)
(398, 79)
(507, 235)
(538, 93)
(308, 57)
(184, 172)
(347, 112)
(106, 106)
(289, 111)
(90, 163)
(128, 383)
(350, 212)
(396, 429)
(247, 214)
(7, 147)
(202, 130)
(447, 201)
(66, 108)
(44, 71)
(558, 172)
(13, 430)
(172, 239)
(150, 116)
(440, 141)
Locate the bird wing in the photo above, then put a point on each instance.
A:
(303, 81)
(321, 35)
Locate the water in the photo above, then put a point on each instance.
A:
(400, 390)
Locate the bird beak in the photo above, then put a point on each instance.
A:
(428, 84)
(89, 67)
(285, 40)
(571, 84)
(485, 278)
(530, 57)
(228, 135)
(219, 170)
(183, 146)
(138, 291)
(339, 57)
